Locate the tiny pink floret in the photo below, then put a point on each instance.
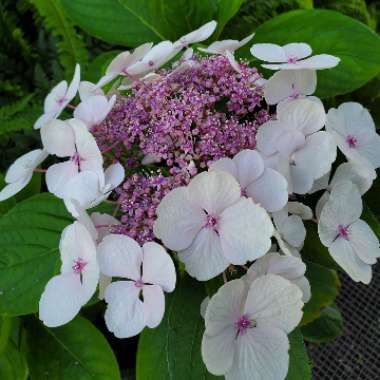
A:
(352, 141)
(79, 265)
(139, 284)
(292, 59)
(211, 221)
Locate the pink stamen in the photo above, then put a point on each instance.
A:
(352, 141)
(61, 101)
(79, 266)
(139, 284)
(151, 63)
(292, 59)
(76, 158)
(343, 232)
(243, 324)
(211, 221)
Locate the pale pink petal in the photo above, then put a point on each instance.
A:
(87, 89)
(250, 166)
(73, 86)
(58, 175)
(269, 52)
(245, 231)
(120, 256)
(225, 165)
(158, 267)
(178, 221)
(56, 96)
(154, 305)
(58, 138)
(298, 50)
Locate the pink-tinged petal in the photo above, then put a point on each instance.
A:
(154, 305)
(275, 301)
(316, 62)
(225, 165)
(58, 175)
(270, 190)
(262, 351)
(204, 258)
(87, 89)
(245, 231)
(213, 191)
(114, 175)
(120, 256)
(53, 100)
(305, 115)
(221, 47)
(267, 136)
(13, 188)
(218, 351)
(269, 52)
(125, 314)
(58, 138)
(342, 251)
(61, 300)
(289, 142)
(119, 64)
(178, 221)
(300, 180)
(74, 85)
(250, 166)
(198, 35)
(24, 166)
(158, 267)
(364, 241)
(233, 62)
(297, 50)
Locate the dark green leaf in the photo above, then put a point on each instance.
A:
(98, 66)
(133, 22)
(226, 10)
(299, 365)
(5, 331)
(327, 327)
(29, 237)
(177, 341)
(325, 286)
(12, 364)
(332, 33)
(74, 351)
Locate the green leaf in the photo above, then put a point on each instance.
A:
(5, 332)
(325, 286)
(299, 365)
(314, 251)
(133, 22)
(329, 32)
(70, 45)
(177, 340)
(226, 10)
(327, 327)
(29, 238)
(11, 109)
(13, 364)
(74, 351)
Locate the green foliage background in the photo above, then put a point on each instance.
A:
(40, 43)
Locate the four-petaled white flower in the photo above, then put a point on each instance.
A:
(292, 56)
(227, 48)
(21, 171)
(211, 225)
(294, 145)
(265, 186)
(148, 270)
(197, 35)
(58, 98)
(66, 293)
(90, 188)
(355, 133)
(291, 268)
(246, 334)
(289, 84)
(350, 240)
(71, 139)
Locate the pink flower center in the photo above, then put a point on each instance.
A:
(151, 63)
(343, 232)
(77, 158)
(61, 101)
(243, 324)
(139, 284)
(352, 141)
(292, 59)
(79, 265)
(211, 221)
